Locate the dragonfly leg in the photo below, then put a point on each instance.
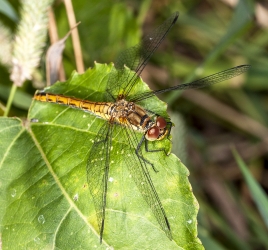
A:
(169, 126)
(154, 150)
(141, 156)
(143, 139)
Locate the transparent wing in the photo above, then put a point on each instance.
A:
(120, 81)
(98, 170)
(140, 174)
(204, 82)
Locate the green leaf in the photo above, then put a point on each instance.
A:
(46, 203)
(256, 191)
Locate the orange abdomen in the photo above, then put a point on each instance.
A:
(101, 109)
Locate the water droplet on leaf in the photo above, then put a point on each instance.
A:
(13, 192)
(37, 240)
(41, 219)
(75, 198)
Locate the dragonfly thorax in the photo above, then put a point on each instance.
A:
(121, 109)
(131, 114)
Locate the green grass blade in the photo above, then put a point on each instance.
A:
(7, 9)
(257, 193)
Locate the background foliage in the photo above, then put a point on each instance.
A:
(210, 36)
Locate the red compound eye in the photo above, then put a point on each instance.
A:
(152, 133)
(161, 122)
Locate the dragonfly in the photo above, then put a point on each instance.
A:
(121, 109)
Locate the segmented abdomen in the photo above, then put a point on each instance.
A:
(101, 109)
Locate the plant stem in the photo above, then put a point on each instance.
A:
(10, 99)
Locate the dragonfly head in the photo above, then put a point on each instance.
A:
(120, 97)
(158, 130)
